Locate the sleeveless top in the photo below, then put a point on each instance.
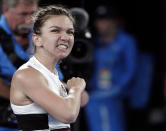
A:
(32, 116)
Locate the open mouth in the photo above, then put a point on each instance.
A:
(62, 46)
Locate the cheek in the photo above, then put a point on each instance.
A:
(48, 40)
(17, 22)
(72, 41)
(18, 19)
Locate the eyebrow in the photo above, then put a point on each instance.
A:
(26, 13)
(60, 27)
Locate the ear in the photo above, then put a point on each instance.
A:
(36, 40)
(5, 9)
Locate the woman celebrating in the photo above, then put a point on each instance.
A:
(38, 98)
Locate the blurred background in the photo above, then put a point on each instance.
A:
(133, 96)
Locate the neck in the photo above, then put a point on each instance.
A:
(48, 62)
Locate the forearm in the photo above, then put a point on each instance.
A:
(73, 102)
(4, 89)
(76, 99)
(69, 106)
(64, 109)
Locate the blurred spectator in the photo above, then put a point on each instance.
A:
(15, 49)
(115, 59)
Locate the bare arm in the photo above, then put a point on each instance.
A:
(4, 89)
(35, 86)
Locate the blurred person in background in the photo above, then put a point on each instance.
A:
(15, 49)
(115, 58)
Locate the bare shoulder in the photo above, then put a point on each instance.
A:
(24, 82)
(27, 78)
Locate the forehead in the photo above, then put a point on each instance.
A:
(59, 20)
(21, 6)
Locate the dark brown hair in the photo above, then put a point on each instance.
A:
(44, 13)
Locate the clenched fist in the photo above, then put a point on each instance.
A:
(76, 83)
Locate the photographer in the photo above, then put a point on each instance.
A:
(15, 49)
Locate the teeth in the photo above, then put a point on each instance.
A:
(62, 46)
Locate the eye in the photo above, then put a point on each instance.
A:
(55, 30)
(23, 14)
(70, 32)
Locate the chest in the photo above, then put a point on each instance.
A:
(57, 86)
(109, 56)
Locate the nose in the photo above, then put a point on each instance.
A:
(64, 37)
(28, 20)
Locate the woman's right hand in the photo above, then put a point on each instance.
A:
(76, 83)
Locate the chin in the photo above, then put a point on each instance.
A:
(62, 56)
